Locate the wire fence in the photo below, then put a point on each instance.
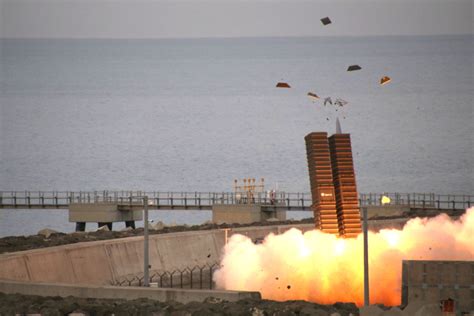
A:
(195, 277)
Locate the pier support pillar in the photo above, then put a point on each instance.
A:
(80, 226)
(130, 224)
(109, 225)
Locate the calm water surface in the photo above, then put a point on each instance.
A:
(192, 115)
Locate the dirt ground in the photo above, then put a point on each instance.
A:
(26, 304)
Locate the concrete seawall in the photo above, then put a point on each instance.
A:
(105, 262)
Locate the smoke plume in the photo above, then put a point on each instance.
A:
(325, 269)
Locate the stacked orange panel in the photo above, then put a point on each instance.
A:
(347, 201)
(321, 181)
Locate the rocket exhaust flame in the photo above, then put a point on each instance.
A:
(325, 268)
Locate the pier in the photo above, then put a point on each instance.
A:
(206, 200)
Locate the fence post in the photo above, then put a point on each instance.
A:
(210, 278)
(200, 277)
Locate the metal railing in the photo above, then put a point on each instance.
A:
(205, 200)
(419, 200)
(196, 277)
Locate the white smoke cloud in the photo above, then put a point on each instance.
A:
(326, 269)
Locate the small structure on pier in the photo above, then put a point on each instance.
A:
(105, 213)
(249, 206)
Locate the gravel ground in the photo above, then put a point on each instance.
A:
(28, 304)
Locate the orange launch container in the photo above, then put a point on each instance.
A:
(333, 186)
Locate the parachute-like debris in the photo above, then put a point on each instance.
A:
(313, 96)
(283, 85)
(384, 80)
(354, 67)
(326, 21)
(328, 100)
(340, 102)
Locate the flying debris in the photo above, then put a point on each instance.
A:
(354, 67)
(327, 100)
(384, 80)
(283, 85)
(340, 102)
(313, 96)
(326, 21)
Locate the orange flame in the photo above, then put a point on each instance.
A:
(325, 269)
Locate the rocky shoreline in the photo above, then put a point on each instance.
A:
(20, 243)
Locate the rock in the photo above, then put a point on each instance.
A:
(257, 312)
(172, 224)
(213, 300)
(272, 219)
(78, 313)
(180, 313)
(414, 306)
(312, 311)
(46, 232)
(429, 310)
(371, 310)
(77, 233)
(395, 311)
(104, 228)
(157, 226)
(126, 229)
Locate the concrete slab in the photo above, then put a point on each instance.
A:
(52, 266)
(429, 310)
(371, 310)
(128, 293)
(104, 212)
(395, 311)
(14, 268)
(386, 210)
(239, 213)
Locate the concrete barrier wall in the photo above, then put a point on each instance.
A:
(107, 261)
(432, 281)
(113, 292)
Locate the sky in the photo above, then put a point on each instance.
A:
(231, 18)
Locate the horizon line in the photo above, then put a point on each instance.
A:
(235, 37)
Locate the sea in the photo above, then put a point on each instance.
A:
(195, 114)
